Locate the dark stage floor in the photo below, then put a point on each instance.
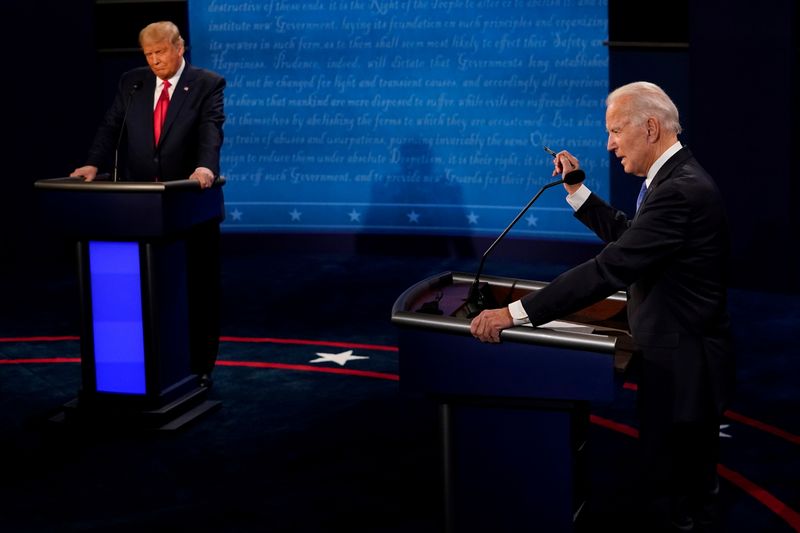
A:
(304, 444)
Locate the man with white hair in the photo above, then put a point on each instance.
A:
(672, 258)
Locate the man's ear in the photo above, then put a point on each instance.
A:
(653, 129)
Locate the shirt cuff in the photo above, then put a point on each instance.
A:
(577, 199)
(518, 313)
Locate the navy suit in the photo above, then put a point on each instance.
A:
(191, 137)
(672, 258)
(192, 133)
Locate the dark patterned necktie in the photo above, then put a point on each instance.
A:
(642, 192)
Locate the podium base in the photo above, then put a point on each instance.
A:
(169, 417)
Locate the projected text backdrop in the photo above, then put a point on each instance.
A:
(406, 115)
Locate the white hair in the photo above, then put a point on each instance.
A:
(646, 100)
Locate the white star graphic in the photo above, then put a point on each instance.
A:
(413, 216)
(295, 214)
(472, 217)
(722, 434)
(354, 215)
(338, 358)
(532, 220)
(236, 214)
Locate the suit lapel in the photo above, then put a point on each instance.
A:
(179, 97)
(142, 119)
(680, 157)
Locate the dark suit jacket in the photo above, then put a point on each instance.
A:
(192, 133)
(191, 138)
(672, 258)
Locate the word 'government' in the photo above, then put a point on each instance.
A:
(393, 101)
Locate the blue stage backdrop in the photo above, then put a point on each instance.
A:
(405, 116)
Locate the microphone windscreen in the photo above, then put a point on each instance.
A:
(574, 177)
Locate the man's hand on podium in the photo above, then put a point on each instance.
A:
(204, 176)
(486, 327)
(88, 173)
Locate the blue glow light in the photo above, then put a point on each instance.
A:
(117, 317)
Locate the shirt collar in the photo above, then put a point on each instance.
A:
(173, 81)
(672, 150)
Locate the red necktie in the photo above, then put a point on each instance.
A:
(160, 112)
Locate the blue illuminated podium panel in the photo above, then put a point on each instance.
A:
(132, 258)
(117, 320)
(514, 415)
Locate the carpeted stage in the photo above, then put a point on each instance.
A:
(303, 443)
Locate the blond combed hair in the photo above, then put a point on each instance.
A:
(161, 31)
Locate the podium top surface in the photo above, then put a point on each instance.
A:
(545, 364)
(450, 289)
(128, 210)
(67, 183)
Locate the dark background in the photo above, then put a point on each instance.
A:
(731, 67)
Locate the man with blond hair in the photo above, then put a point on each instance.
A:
(190, 137)
(170, 115)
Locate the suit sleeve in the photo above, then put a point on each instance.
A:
(608, 223)
(210, 135)
(101, 152)
(658, 232)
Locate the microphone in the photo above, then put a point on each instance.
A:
(477, 300)
(136, 86)
(574, 177)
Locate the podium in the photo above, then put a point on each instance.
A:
(132, 269)
(513, 417)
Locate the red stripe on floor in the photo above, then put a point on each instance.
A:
(771, 502)
(615, 426)
(311, 343)
(42, 360)
(778, 432)
(40, 338)
(309, 368)
(272, 340)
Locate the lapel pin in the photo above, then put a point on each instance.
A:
(186, 88)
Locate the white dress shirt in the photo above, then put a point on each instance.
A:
(173, 82)
(576, 200)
